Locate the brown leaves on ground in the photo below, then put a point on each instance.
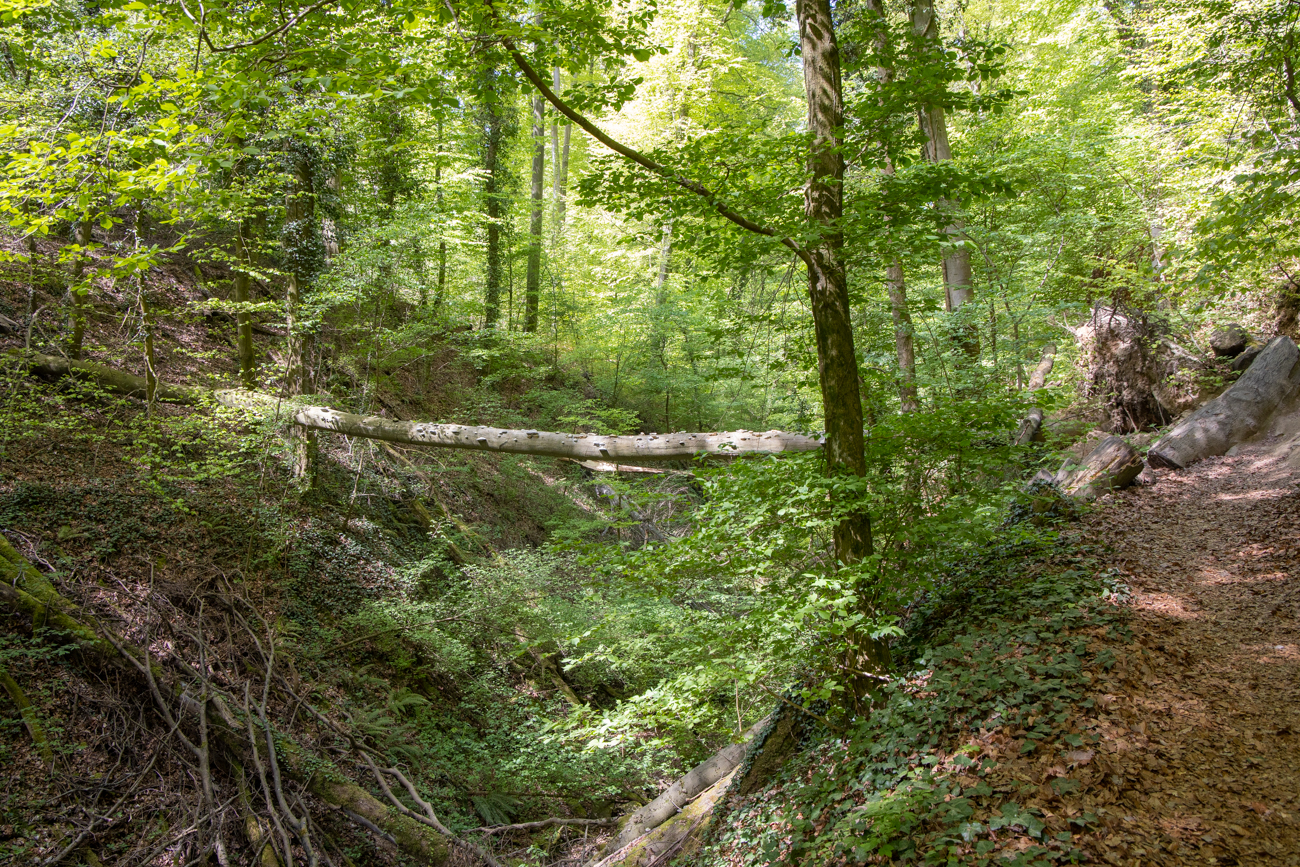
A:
(1198, 760)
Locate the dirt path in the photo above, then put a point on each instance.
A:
(1199, 758)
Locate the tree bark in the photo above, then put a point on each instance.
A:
(80, 295)
(1112, 465)
(675, 797)
(244, 319)
(957, 276)
(895, 282)
(533, 285)
(1046, 362)
(560, 160)
(1031, 428)
(298, 214)
(828, 292)
(580, 447)
(827, 282)
(631, 448)
(492, 190)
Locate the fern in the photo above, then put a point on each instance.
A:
(495, 808)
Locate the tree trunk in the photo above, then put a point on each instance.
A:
(837, 362)
(80, 295)
(299, 215)
(533, 286)
(560, 159)
(243, 318)
(903, 347)
(26, 591)
(1038, 378)
(1237, 414)
(1031, 428)
(1112, 465)
(702, 777)
(895, 282)
(827, 283)
(441, 289)
(493, 211)
(957, 279)
(632, 448)
(581, 447)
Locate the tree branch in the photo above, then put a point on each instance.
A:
(545, 823)
(642, 160)
(252, 43)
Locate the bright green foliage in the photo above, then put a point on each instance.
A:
(1008, 640)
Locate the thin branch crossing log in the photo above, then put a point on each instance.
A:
(24, 590)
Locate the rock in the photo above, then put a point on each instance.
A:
(1243, 361)
(1230, 340)
(1236, 415)
(1146, 478)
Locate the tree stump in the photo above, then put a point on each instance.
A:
(1237, 414)
(1112, 465)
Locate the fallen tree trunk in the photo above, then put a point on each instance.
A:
(1031, 428)
(701, 778)
(636, 447)
(1112, 465)
(112, 380)
(581, 447)
(26, 590)
(1237, 414)
(673, 838)
(1038, 378)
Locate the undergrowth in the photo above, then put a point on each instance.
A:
(1003, 652)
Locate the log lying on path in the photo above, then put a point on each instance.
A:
(1237, 414)
(25, 590)
(1112, 465)
(580, 447)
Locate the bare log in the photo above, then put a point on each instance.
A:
(1112, 465)
(702, 777)
(1038, 378)
(112, 380)
(1031, 428)
(633, 447)
(1237, 414)
(580, 447)
(674, 837)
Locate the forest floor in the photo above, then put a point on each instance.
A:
(1199, 757)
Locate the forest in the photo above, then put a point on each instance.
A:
(639, 433)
